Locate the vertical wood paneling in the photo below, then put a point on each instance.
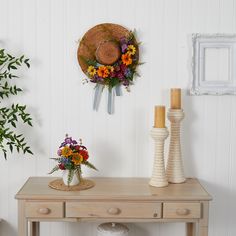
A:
(48, 31)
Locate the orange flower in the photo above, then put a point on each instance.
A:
(103, 71)
(66, 152)
(77, 158)
(126, 59)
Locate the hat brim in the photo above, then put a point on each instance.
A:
(93, 37)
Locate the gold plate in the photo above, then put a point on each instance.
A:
(59, 185)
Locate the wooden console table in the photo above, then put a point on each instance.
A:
(114, 200)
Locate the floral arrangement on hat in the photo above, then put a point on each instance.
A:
(71, 155)
(122, 72)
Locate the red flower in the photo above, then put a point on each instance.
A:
(84, 154)
(62, 166)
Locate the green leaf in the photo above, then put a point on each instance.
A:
(90, 165)
(55, 168)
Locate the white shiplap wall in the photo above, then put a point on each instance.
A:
(47, 32)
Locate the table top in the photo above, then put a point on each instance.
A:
(36, 188)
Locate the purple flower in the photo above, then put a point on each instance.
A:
(68, 140)
(123, 40)
(120, 75)
(74, 142)
(123, 47)
(124, 44)
(128, 72)
(59, 152)
(113, 74)
(123, 68)
(65, 160)
(126, 83)
(63, 144)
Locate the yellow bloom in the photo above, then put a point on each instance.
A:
(131, 50)
(77, 158)
(103, 71)
(91, 70)
(126, 59)
(66, 151)
(110, 68)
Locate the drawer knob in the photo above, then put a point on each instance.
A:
(113, 211)
(44, 211)
(182, 212)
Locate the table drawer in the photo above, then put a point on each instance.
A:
(113, 210)
(181, 210)
(44, 209)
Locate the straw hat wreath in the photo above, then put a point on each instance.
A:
(108, 54)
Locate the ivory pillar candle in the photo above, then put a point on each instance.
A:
(159, 120)
(175, 97)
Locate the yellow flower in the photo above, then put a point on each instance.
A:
(126, 59)
(77, 158)
(91, 70)
(110, 68)
(66, 151)
(103, 71)
(131, 50)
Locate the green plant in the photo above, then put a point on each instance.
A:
(11, 115)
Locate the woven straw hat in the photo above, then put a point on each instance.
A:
(101, 43)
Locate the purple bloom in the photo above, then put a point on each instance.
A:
(128, 72)
(120, 75)
(59, 152)
(123, 68)
(124, 44)
(123, 40)
(74, 142)
(126, 82)
(65, 160)
(63, 144)
(68, 140)
(123, 47)
(113, 74)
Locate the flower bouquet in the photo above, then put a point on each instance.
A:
(71, 156)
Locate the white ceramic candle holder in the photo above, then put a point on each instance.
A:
(158, 178)
(175, 170)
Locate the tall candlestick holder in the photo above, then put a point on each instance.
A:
(175, 170)
(158, 178)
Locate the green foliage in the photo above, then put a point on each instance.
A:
(70, 176)
(55, 168)
(90, 165)
(11, 115)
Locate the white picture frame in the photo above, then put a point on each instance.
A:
(204, 81)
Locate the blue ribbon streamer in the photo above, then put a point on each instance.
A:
(97, 96)
(118, 90)
(111, 98)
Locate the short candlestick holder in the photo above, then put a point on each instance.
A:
(175, 170)
(158, 178)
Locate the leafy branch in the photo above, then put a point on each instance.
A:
(10, 116)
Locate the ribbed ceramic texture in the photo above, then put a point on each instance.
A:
(158, 178)
(175, 170)
(112, 229)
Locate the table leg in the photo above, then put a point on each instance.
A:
(191, 229)
(34, 228)
(202, 225)
(22, 221)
